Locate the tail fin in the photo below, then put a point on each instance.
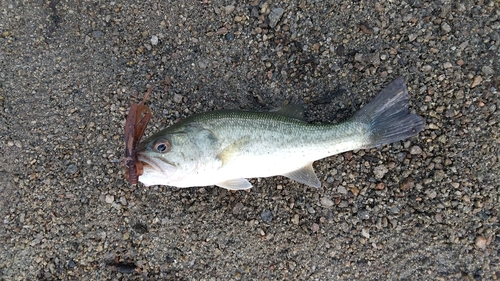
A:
(388, 117)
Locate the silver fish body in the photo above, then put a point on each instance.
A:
(225, 148)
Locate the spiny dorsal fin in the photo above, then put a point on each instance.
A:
(305, 175)
(290, 110)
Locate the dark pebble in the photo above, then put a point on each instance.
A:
(125, 267)
(229, 37)
(71, 169)
(266, 216)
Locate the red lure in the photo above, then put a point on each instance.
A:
(137, 121)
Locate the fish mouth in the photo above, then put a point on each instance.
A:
(154, 165)
(149, 163)
(156, 170)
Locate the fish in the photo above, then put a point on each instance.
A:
(227, 147)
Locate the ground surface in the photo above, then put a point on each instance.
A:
(426, 208)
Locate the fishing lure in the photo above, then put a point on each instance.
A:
(135, 125)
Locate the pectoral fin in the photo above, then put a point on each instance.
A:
(232, 150)
(305, 175)
(235, 184)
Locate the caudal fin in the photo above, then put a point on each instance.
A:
(388, 117)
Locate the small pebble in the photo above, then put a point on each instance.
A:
(315, 227)
(310, 209)
(71, 169)
(365, 29)
(354, 190)
(364, 215)
(365, 233)
(229, 9)
(401, 156)
(229, 37)
(481, 242)
(433, 126)
(110, 199)
(408, 183)
(438, 217)
(266, 216)
(477, 80)
(97, 33)
(18, 144)
(154, 40)
(264, 8)
(261, 231)
(326, 202)
(126, 235)
(275, 16)
(358, 57)
(439, 175)
(343, 204)
(177, 98)
(426, 68)
(237, 208)
(394, 210)
(295, 219)
(222, 31)
(341, 189)
(380, 171)
(414, 150)
(203, 63)
(488, 70)
(445, 27)
(431, 194)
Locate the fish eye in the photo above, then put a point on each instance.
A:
(162, 146)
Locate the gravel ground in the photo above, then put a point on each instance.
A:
(423, 209)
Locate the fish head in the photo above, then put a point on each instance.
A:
(167, 158)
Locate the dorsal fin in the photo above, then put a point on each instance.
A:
(290, 110)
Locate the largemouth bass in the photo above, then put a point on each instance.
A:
(224, 148)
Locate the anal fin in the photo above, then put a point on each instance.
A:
(305, 175)
(235, 184)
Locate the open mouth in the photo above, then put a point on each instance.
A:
(148, 163)
(156, 171)
(155, 165)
